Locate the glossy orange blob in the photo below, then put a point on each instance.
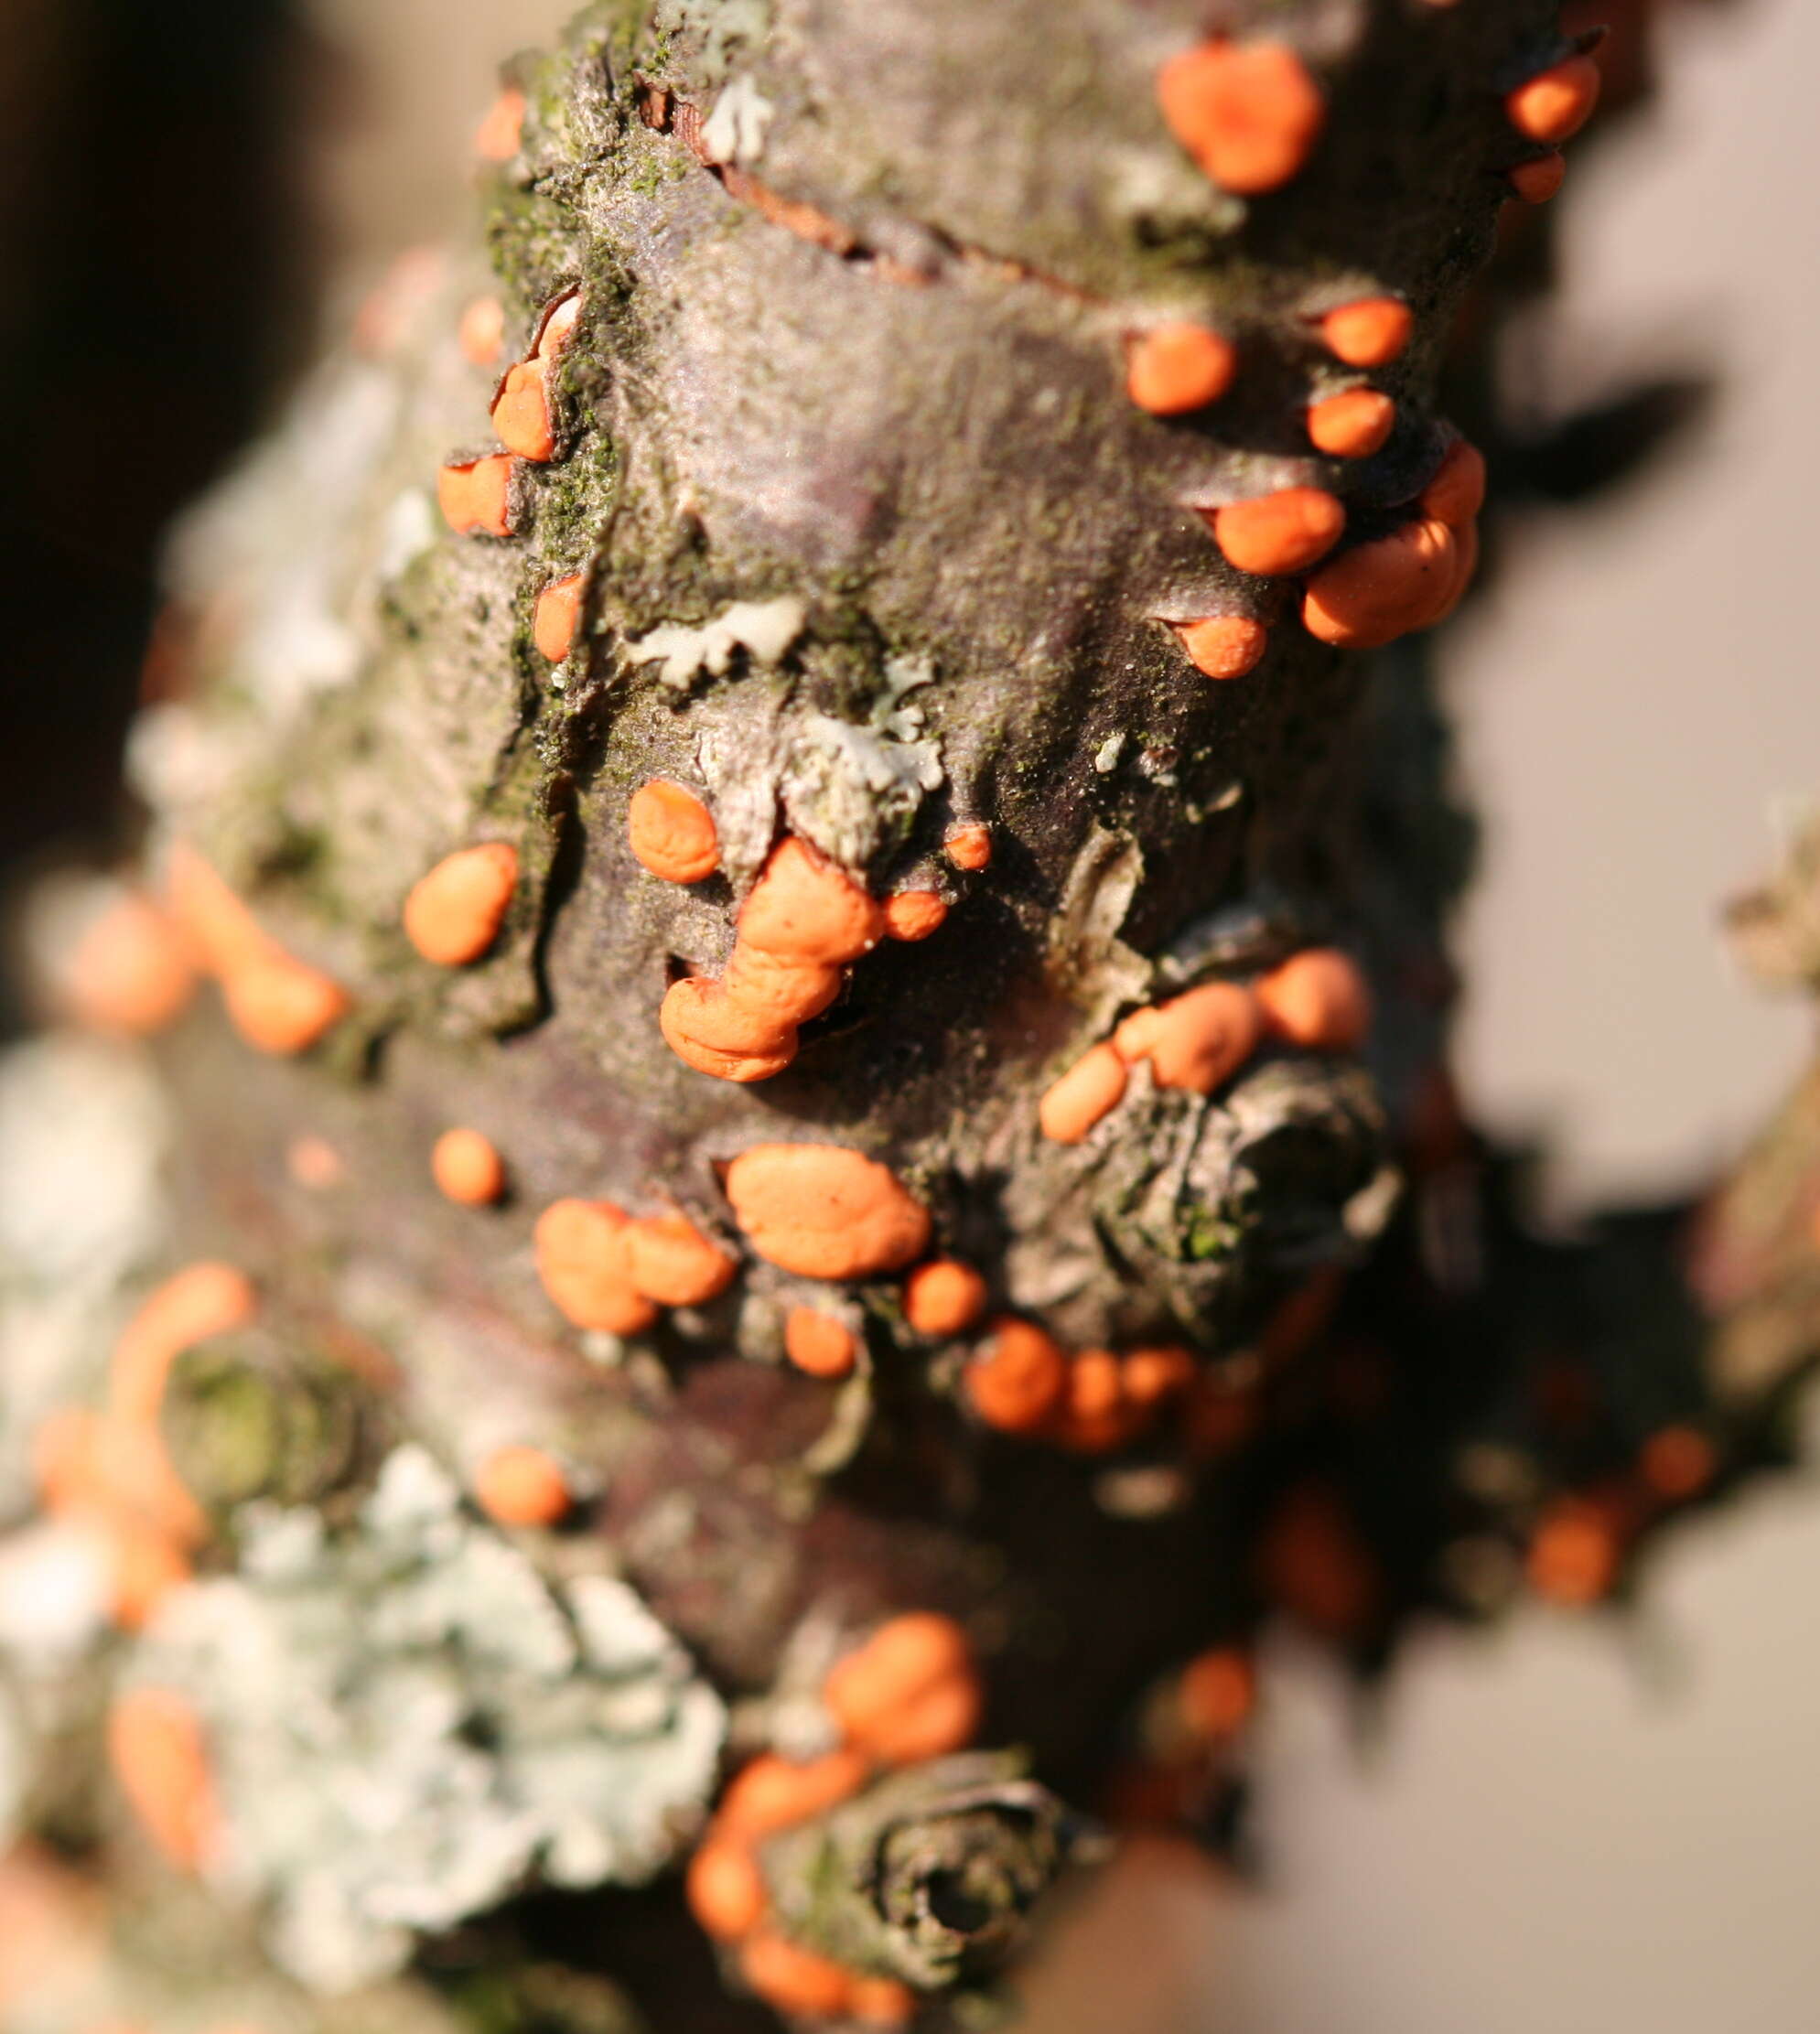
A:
(1574, 1558)
(819, 1344)
(1172, 369)
(282, 1006)
(1248, 113)
(522, 412)
(943, 1297)
(1556, 103)
(1457, 492)
(475, 495)
(909, 1692)
(523, 1486)
(1151, 1376)
(1223, 646)
(823, 1212)
(1352, 425)
(482, 330)
(1017, 1377)
(1537, 182)
(773, 989)
(1218, 1692)
(672, 833)
(584, 1259)
(1678, 1463)
(672, 1263)
(706, 1029)
(277, 1003)
(199, 1301)
(1316, 999)
(1204, 1037)
(794, 1981)
(1378, 591)
(556, 617)
(880, 2002)
(1091, 1088)
(130, 973)
(1278, 534)
(1096, 1417)
(773, 1794)
(970, 846)
(1370, 332)
(805, 908)
(725, 1890)
(499, 135)
(468, 1168)
(453, 914)
(155, 1747)
(913, 915)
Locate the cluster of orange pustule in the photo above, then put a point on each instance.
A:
(1575, 1553)
(1196, 1042)
(106, 1471)
(476, 496)
(1249, 114)
(1020, 1380)
(277, 1002)
(909, 1692)
(803, 923)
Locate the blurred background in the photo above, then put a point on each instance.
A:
(1571, 1823)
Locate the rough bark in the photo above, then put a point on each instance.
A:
(874, 544)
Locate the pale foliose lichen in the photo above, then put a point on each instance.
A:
(407, 1724)
(764, 628)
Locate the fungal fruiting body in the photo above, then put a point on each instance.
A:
(816, 1302)
(522, 412)
(826, 1212)
(1248, 113)
(452, 914)
(1223, 646)
(1175, 368)
(673, 832)
(475, 495)
(803, 922)
(277, 1003)
(1281, 533)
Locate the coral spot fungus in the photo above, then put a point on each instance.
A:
(501, 133)
(482, 330)
(912, 915)
(1248, 113)
(1370, 332)
(523, 1486)
(156, 1746)
(1556, 103)
(805, 921)
(1093, 1086)
(1538, 180)
(1177, 367)
(1282, 532)
(671, 832)
(584, 1258)
(944, 1296)
(1352, 425)
(468, 1168)
(819, 1344)
(672, 1261)
(129, 974)
(823, 1212)
(1317, 999)
(475, 495)
(556, 617)
(911, 1692)
(454, 913)
(1223, 646)
(1017, 1377)
(970, 846)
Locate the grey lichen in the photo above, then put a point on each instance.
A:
(407, 1724)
